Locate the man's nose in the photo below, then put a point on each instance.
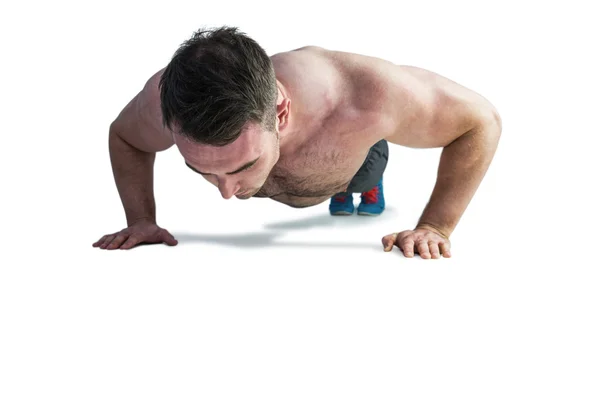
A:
(228, 187)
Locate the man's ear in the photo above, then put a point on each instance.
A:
(283, 113)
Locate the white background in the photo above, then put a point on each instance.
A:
(263, 301)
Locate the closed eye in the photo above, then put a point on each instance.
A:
(244, 167)
(239, 170)
(249, 167)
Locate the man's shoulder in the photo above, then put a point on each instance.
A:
(300, 60)
(362, 76)
(304, 50)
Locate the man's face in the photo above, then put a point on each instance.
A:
(238, 169)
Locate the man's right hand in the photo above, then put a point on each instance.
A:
(140, 232)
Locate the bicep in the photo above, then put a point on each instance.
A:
(426, 109)
(140, 121)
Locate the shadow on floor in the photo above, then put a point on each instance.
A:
(325, 220)
(262, 239)
(258, 240)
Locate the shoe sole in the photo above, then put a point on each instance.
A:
(341, 213)
(368, 214)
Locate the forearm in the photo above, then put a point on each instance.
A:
(463, 165)
(133, 171)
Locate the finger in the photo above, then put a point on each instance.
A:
(388, 241)
(117, 241)
(423, 249)
(434, 249)
(408, 247)
(169, 239)
(446, 249)
(99, 241)
(130, 242)
(107, 241)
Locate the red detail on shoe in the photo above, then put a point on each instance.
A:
(370, 197)
(340, 199)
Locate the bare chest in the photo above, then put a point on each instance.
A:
(314, 173)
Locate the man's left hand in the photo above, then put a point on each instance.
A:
(423, 241)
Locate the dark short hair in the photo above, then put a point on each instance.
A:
(217, 81)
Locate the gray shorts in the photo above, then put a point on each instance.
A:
(372, 169)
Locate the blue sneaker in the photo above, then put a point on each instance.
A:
(341, 204)
(372, 202)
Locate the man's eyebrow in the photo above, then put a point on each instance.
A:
(237, 171)
(244, 167)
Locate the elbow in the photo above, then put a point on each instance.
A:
(497, 120)
(487, 130)
(493, 118)
(491, 124)
(493, 132)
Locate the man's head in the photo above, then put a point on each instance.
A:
(220, 97)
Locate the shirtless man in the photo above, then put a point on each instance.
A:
(297, 127)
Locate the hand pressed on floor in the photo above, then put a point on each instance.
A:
(425, 242)
(139, 232)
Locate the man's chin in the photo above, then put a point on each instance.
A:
(245, 196)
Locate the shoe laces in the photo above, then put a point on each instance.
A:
(340, 198)
(371, 196)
